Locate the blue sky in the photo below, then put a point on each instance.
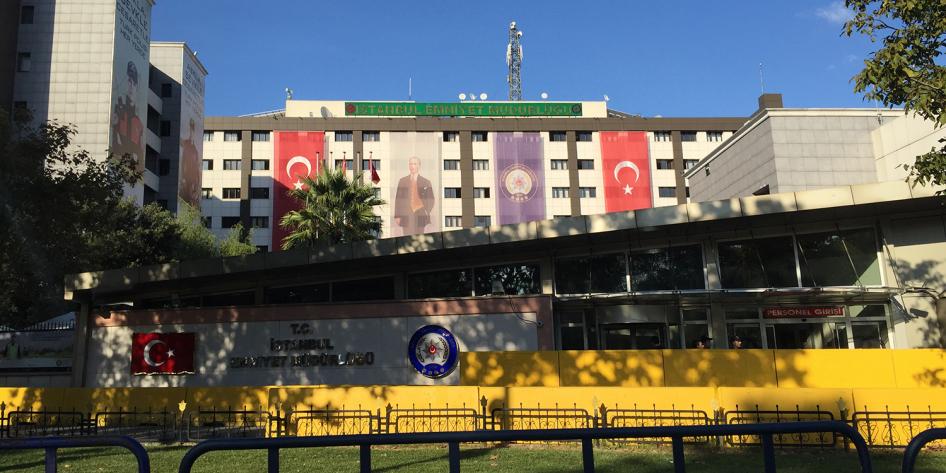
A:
(669, 58)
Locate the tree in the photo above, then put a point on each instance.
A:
(333, 210)
(237, 242)
(908, 69)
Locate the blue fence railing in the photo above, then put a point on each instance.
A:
(765, 432)
(917, 444)
(52, 444)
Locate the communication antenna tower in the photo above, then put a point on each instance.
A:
(514, 61)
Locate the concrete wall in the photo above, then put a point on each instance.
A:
(899, 141)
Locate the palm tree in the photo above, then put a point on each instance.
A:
(334, 210)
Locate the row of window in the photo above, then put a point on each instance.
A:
(236, 164)
(668, 163)
(456, 221)
(234, 192)
(836, 258)
(453, 136)
(484, 192)
(230, 222)
(448, 164)
(671, 192)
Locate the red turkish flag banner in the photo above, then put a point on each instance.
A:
(626, 171)
(298, 154)
(162, 353)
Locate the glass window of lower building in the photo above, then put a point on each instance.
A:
(375, 289)
(810, 326)
(452, 283)
(664, 269)
(296, 294)
(591, 274)
(510, 279)
(839, 258)
(758, 263)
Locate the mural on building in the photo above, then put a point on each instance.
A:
(298, 154)
(192, 131)
(415, 162)
(520, 180)
(626, 171)
(130, 79)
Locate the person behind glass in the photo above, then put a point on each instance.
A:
(702, 342)
(414, 200)
(735, 342)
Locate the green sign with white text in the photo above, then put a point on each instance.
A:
(464, 109)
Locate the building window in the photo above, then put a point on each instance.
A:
(587, 192)
(513, 279)
(208, 136)
(259, 192)
(231, 192)
(207, 221)
(586, 164)
(165, 128)
(557, 136)
(371, 136)
(260, 164)
(689, 163)
(363, 290)
(295, 294)
(665, 269)
(260, 136)
(598, 274)
(687, 189)
(583, 136)
(481, 192)
(231, 164)
(451, 136)
(207, 164)
(451, 164)
(366, 164)
(229, 222)
(343, 136)
(259, 222)
(262, 248)
(757, 263)
(666, 191)
(377, 192)
(688, 136)
(450, 283)
(480, 136)
(481, 165)
(559, 192)
(714, 136)
(559, 164)
(164, 167)
(839, 258)
(453, 221)
(231, 136)
(26, 15)
(482, 220)
(166, 90)
(451, 192)
(347, 163)
(662, 136)
(206, 192)
(664, 164)
(23, 62)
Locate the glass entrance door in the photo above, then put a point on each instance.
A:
(633, 336)
(806, 335)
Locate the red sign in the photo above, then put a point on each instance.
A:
(626, 168)
(298, 154)
(164, 353)
(801, 312)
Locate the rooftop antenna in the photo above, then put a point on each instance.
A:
(410, 88)
(761, 79)
(514, 61)
(288, 93)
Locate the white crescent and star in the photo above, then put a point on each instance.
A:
(628, 189)
(298, 160)
(147, 353)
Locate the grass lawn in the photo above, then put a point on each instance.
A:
(518, 458)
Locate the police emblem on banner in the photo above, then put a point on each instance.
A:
(518, 183)
(433, 351)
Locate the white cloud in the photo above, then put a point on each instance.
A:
(836, 12)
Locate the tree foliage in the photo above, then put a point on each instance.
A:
(333, 210)
(908, 69)
(63, 212)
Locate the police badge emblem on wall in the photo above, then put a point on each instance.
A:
(433, 351)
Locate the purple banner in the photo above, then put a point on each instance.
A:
(520, 180)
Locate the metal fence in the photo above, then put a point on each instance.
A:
(896, 428)
(676, 434)
(52, 444)
(798, 439)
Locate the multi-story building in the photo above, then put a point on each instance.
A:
(569, 159)
(88, 63)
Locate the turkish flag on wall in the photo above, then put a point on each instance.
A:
(165, 353)
(298, 154)
(626, 169)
